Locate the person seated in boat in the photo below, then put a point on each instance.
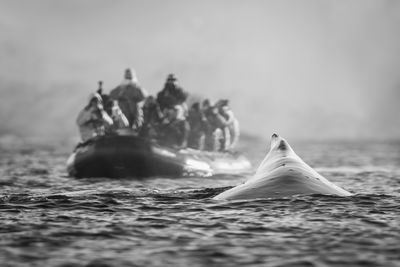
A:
(172, 94)
(93, 120)
(217, 136)
(130, 96)
(113, 110)
(152, 118)
(206, 109)
(231, 130)
(198, 127)
(174, 129)
(214, 139)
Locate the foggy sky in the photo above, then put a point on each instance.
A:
(304, 69)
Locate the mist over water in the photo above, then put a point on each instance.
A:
(304, 69)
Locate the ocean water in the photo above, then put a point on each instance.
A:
(50, 219)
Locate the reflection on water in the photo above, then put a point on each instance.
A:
(49, 219)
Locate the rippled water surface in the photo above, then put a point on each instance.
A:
(49, 219)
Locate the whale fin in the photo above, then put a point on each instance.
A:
(279, 149)
(282, 173)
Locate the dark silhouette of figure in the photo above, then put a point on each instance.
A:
(198, 127)
(130, 96)
(175, 129)
(152, 119)
(172, 94)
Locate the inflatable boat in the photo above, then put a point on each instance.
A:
(132, 156)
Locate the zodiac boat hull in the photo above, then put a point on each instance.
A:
(132, 156)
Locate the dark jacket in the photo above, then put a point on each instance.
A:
(129, 95)
(171, 95)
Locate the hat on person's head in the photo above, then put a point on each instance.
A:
(95, 97)
(206, 102)
(196, 105)
(224, 102)
(171, 78)
(130, 74)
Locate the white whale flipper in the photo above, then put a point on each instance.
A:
(282, 173)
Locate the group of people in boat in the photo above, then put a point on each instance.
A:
(165, 118)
